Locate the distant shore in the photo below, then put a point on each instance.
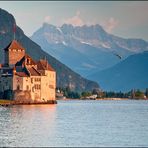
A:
(96, 99)
(105, 99)
(6, 103)
(112, 99)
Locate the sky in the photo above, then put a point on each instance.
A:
(127, 19)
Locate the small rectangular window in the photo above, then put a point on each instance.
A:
(31, 80)
(27, 87)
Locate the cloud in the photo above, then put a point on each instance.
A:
(110, 24)
(47, 19)
(75, 20)
(86, 65)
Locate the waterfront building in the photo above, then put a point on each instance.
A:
(23, 79)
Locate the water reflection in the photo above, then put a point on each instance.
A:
(76, 123)
(27, 125)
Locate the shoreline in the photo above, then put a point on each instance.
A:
(114, 99)
(6, 103)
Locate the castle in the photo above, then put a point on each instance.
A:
(24, 80)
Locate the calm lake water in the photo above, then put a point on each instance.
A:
(76, 123)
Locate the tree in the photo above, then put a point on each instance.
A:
(132, 93)
(86, 94)
(139, 94)
(98, 92)
(146, 92)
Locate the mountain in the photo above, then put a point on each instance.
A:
(126, 75)
(65, 76)
(86, 49)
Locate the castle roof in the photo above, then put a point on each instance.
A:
(26, 60)
(1, 65)
(44, 65)
(14, 45)
(26, 66)
(33, 71)
(21, 74)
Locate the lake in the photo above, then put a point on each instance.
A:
(76, 123)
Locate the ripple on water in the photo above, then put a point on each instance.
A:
(76, 123)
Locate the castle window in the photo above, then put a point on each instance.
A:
(27, 87)
(37, 86)
(31, 80)
(18, 87)
(37, 79)
(32, 89)
(28, 61)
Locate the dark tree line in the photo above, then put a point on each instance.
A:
(69, 93)
(133, 94)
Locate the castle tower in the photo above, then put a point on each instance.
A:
(13, 53)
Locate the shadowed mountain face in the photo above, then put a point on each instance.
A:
(126, 75)
(86, 49)
(65, 76)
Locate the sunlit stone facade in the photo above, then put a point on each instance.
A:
(23, 79)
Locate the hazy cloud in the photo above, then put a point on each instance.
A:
(47, 19)
(125, 19)
(75, 20)
(110, 24)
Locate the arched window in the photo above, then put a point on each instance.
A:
(27, 61)
(18, 87)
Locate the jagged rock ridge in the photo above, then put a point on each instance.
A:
(65, 76)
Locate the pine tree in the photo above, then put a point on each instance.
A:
(132, 93)
(146, 92)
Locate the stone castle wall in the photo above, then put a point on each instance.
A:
(22, 96)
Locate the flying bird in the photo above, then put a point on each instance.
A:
(119, 56)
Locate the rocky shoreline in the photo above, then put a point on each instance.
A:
(6, 103)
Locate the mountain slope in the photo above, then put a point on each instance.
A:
(65, 76)
(86, 49)
(126, 75)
